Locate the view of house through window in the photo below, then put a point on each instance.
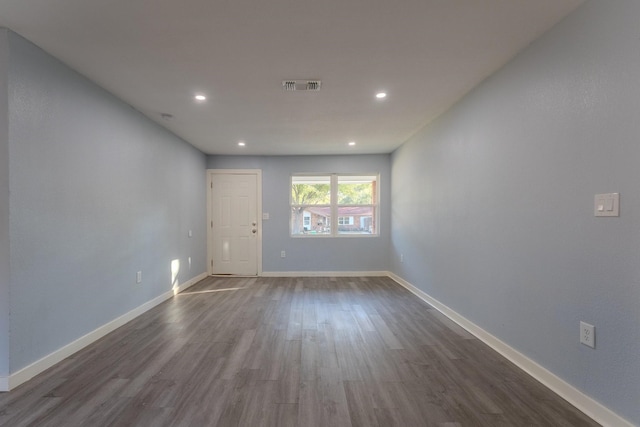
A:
(334, 204)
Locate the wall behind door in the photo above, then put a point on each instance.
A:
(314, 254)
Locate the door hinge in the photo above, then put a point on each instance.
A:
(211, 184)
(211, 223)
(211, 263)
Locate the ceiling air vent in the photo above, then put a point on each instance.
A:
(301, 85)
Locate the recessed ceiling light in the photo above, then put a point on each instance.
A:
(200, 97)
(241, 144)
(381, 95)
(352, 143)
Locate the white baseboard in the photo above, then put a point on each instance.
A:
(324, 273)
(57, 356)
(581, 401)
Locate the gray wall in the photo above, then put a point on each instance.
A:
(98, 192)
(503, 188)
(314, 254)
(4, 208)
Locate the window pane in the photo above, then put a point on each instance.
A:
(356, 220)
(316, 198)
(356, 190)
(310, 220)
(310, 190)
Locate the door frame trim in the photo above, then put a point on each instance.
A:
(210, 175)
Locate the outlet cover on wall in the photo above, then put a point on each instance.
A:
(587, 335)
(139, 277)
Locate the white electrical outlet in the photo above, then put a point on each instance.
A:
(139, 277)
(587, 335)
(401, 257)
(283, 254)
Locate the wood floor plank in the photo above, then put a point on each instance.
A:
(310, 404)
(360, 402)
(287, 415)
(294, 328)
(259, 408)
(290, 377)
(363, 319)
(387, 335)
(304, 352)
(310, 362)
(238, 354)
(323, 402)
(31, 416)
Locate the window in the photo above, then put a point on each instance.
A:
(334, 205)
(306, 221)
(345, 220)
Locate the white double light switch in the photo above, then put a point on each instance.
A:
(607, 204)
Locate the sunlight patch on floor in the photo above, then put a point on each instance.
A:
(210, 291)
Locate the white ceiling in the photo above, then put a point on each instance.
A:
(156, 54)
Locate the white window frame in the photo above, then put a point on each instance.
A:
(334, 232)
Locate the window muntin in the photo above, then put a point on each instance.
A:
(334, 205)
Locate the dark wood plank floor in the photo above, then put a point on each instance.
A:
(288, 352)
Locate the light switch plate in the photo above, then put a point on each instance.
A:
(607, 204)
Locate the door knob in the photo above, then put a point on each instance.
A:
(254, 231)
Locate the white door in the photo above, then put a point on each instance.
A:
(234, 225)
